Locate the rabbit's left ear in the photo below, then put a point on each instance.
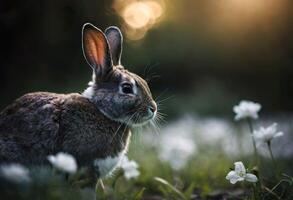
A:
(115, 40)
(96, 50)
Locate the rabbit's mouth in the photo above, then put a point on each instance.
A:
(142, 122)
(139, 116)
(140, 119)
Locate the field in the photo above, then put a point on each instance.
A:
(187, 158)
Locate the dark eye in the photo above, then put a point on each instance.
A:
(127, 88)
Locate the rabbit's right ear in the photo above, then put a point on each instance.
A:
(96, 50)
(115, 39)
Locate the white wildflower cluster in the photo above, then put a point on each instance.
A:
(18, 173)
(129, 167)
(15, 173)
(239, 174)
(175, 144)
(248, 109)
(213, 130)
(64, 162)
(176, 149)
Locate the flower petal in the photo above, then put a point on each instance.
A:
(251, 178)
(279, 134)
(230, 175)
(272, 128)
(239, 168)
(233, 177)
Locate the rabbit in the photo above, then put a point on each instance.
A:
(93, 126)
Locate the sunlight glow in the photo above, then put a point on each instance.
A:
(139, 16)
(238, 17)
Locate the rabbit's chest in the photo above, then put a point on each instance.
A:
(106, 165)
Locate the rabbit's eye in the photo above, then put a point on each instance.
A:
(127, 88)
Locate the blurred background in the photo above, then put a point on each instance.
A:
(201, 57)
(204, 54)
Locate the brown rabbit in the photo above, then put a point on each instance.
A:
(94, 127)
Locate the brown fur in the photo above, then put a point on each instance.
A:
(68, 123)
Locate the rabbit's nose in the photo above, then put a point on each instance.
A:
(153, 107)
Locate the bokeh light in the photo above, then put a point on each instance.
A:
(139, 16)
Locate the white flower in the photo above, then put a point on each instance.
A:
(64, 162)
(15, 172)
(129, 168)
(176, 149)
(264, 135)
(246, 109)
(239, 174)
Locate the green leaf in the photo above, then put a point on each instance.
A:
(188, 192)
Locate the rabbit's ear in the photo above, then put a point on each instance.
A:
(96, 50)
(115, 40)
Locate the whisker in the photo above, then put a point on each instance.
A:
(127, 125)
(162, 115)
(160, 121)
(167, 98)
(137, 136)
(155, 128)
(149, 68)
(161, 94)
(120, 127)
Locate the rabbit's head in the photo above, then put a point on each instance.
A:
(119, 94)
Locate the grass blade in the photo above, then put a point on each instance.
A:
(171, 187)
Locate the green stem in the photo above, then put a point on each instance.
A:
(255, 192)
(271, 153)
(253, 141)
(273, 159)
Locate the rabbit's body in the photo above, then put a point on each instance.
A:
(48, 123)
(94, 126)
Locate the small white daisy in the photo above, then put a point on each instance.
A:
(64, 162)
(239, 174)
(246, 109)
